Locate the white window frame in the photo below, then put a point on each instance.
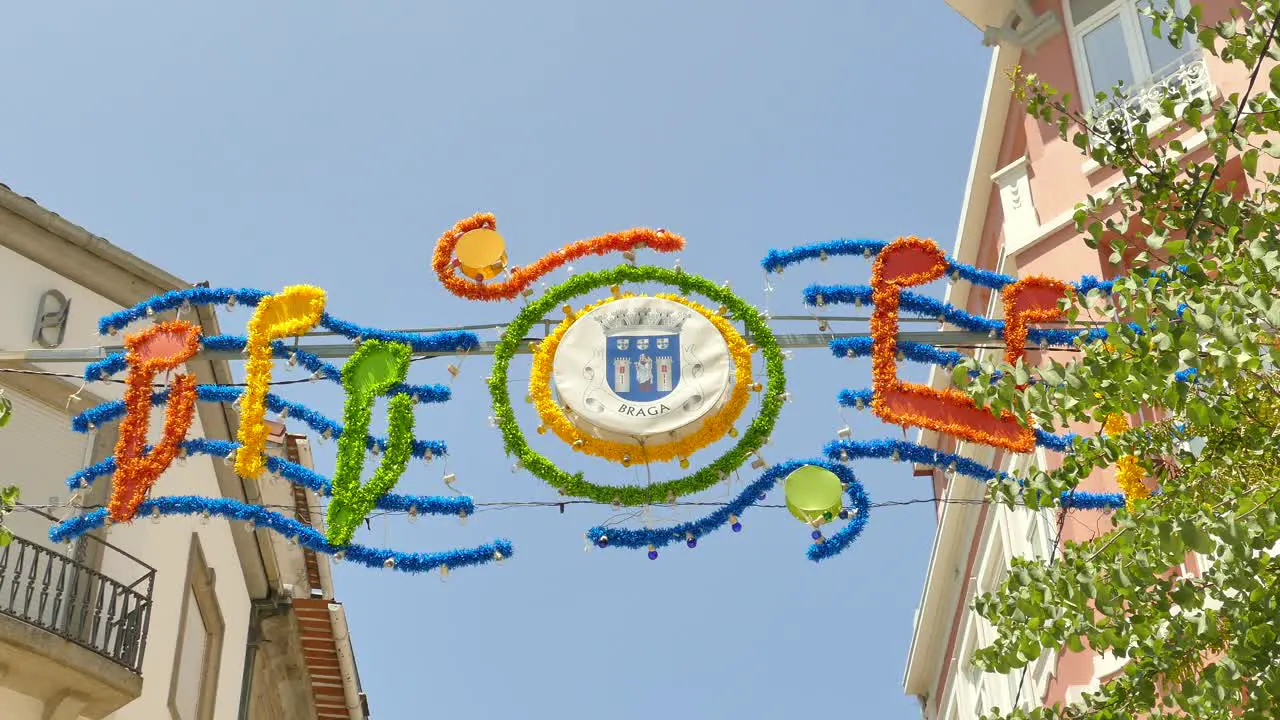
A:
(1135, 44)
(199, 589)
(970, 680)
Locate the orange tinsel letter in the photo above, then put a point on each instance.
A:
(163, 347)
(911, 261)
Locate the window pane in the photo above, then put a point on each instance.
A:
(190, 669)
(1082, 10)
(1161, 54)
(1107, 56)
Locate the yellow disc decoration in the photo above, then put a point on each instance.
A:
(813, 493)
(714, 426)
(482, 254)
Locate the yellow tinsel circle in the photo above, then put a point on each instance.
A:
(713, 427)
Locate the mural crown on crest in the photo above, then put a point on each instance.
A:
(649, 319)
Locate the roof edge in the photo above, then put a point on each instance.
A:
(94, 263)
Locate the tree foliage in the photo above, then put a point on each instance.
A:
(1202, 292)
(8, 495)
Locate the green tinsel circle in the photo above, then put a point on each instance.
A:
(573, 484)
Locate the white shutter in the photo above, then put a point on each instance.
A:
(38, 451)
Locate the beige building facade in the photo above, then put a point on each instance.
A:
(181, 618)
(1024, 184)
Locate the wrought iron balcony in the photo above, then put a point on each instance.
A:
(54, 592)
(1182, 80)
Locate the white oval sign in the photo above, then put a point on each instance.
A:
(641, 366)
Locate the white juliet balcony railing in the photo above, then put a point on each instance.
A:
(1182, 80)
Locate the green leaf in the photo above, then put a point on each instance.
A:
(1274, 75)
(1249, 160)
(9, 495)
(1170, 539)
(6, 537)
(1196, 539)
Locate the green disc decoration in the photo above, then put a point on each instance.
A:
(574, 484)
(813, 494)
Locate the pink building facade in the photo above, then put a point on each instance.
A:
(1023, 186)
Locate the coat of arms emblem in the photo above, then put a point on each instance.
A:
(642, 352)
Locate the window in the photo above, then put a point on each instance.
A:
(1040, 533)
(199, 651)
(1112, 43)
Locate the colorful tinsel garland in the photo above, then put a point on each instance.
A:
(114, 409)
(136, 468)
(351, 500)
(1129, 472)
(292, 312)
(443, 261)
(448, 341)
(931, 262)
(294, 473)
(903, 451)
(712, 428)
(729, 515)
(573, 484)
(305, 535)
(775, 260)
(1028, 301)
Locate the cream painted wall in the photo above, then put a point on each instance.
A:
(165, 545)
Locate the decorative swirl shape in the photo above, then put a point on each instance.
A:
(690, 532)
(306, 535)
(443, 261)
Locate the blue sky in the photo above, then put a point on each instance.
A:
(264, 144)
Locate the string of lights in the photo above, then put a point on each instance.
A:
(561, 505)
